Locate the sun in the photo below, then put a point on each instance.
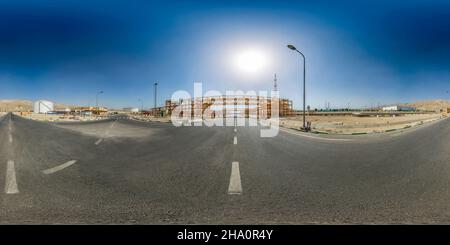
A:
(250, 61)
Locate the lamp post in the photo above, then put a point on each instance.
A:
(96, 100)
(154, 109)
(292, 47)
(142, 105)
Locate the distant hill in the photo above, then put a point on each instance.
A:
(430, 105)
(23, 105)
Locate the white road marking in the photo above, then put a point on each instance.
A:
(235, 186)
(11, 183)
(110, 127)
(10, 138)
(235, 140)
(98, 141)
(313, 137)
(59, 167)
(107, 131)
(235, 130)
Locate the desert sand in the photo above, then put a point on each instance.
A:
(355, 125)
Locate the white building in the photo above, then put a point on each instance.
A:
(43, 106)
(398, 108)
(131, 109)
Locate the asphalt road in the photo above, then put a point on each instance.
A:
(120, 171)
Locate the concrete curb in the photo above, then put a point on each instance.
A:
(142, 120)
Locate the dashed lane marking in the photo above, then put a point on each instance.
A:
(11, 183)
(59, 167)
(106, 133)
(112, 124)
(110, 127)
(235, 186)
(235, 140)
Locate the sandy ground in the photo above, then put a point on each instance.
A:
(338, 124)
(342, 124)
(150, 118)
(57, 118)
(355, 125)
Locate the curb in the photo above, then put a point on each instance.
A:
(411, 125)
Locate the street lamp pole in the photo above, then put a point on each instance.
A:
(96, 98)
(154, 109)
(304, 86)
(142, 105)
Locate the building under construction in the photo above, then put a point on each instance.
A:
(232, 105)
(90, 110)
(226, 106)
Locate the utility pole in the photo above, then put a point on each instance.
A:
(304, 128)
(96, 98)
(154, 108)
(96, 102)
(142, 105)
(275, 85)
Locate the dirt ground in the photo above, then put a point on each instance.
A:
(334, 124)
(343, 124)
(56, 118)
(353, 125)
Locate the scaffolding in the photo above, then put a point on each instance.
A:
(230, 106)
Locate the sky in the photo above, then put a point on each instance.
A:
(358, 53)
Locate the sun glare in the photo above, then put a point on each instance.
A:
(250, 61)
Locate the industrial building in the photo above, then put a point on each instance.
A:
(131, 109)
(398, 108)
(243, 106)
(91, 110)
(445, 110)
(65, 111)
(43, 106)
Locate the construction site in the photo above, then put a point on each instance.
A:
(225, 106)
(329, 121)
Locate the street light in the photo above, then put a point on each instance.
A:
(304, 128)
(96, 100)
(154, 109)
(142, 105)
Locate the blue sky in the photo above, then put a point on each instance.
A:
(358, 52)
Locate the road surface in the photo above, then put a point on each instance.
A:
(120, 171)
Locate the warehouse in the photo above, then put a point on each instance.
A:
(399, 108)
